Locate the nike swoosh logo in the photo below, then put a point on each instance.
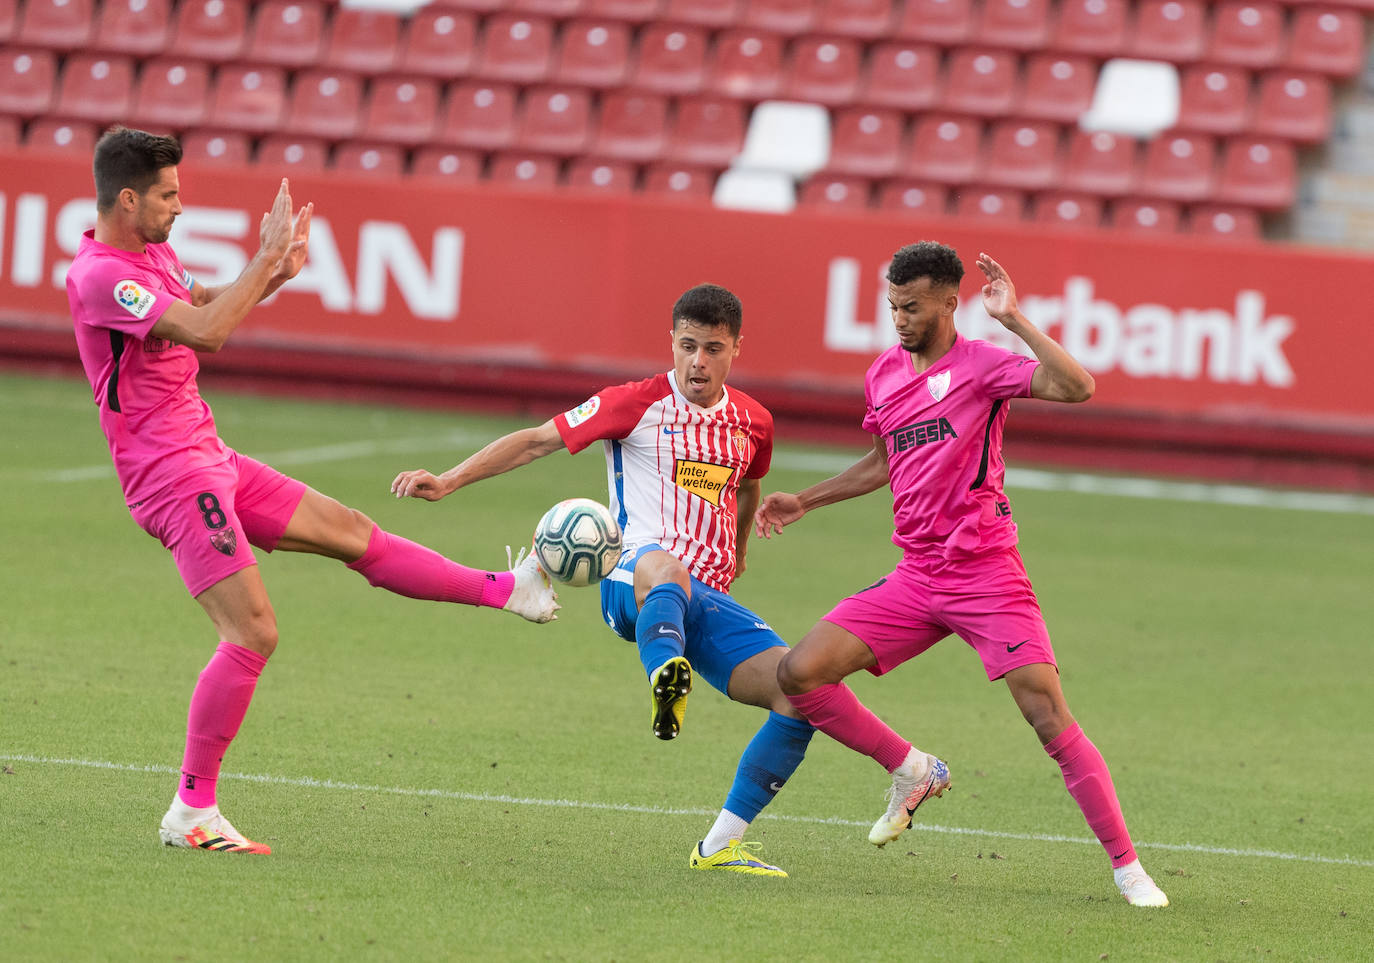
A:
(665, 630)
(672, 431)
(774, 786)
(1013, 648)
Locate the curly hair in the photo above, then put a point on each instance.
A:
(125, 157)
(710, 305)
(926, 259)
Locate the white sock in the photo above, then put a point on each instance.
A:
(728, 826)
(919, 763)
(1119, 873)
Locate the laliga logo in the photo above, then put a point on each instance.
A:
(128, 294)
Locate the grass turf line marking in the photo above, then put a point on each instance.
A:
(308, 782)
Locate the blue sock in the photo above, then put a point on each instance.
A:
(771, 757)
(658, 629)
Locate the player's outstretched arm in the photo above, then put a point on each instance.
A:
(505, 453)
(781, 509)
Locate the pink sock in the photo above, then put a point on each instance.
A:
(218, 705)
(401, 566)
(1090, 784)
(836, 710)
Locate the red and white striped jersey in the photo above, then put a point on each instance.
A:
(674, 468)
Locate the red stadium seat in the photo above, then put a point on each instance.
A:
(680, 182)
(250, 99)
(1172, 30)
(324, 104)
(821, 71)
(54, 136)
(1149, 217)
(836, 193)
(289, 154)
(215, 147)
(524, 170)
(1022, 154)
(213, 30)
(1258, 172)
(438, 42)
(9, 132)
(28, 81)
(982, 82)
(1057, 87)
(554, 120)
(1247, 33)
(746, 64)
(56, 24)
(553, 9)
(400, 110)
(862, 19)
(479, 7)
(9, 23)
(373, 160)
(713, 14)
(515, 49)
(1018, 24)
(914, 197)
(1222, 222)
(95, 87)
(945, 149)
(288, 33)
(1213, 99)
(1100, 163)
(866, 142)
(479, 116)
(171, 94)
(670, 60)
(1064, 209)
(706, 132)
(594, 53)
(362, 40)
(1327, 40)
(602, 176)
(139, 27)
(787, 17)
(948, 23)
(631, 126)
(902, 75)
(447, 164)
(1295, 106)
(1096, 28)
(631, 11)
(989, 204)
(1180, 167)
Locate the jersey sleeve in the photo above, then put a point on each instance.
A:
(610, 413)
(1005, 374)
(124, 298)
(762, 430)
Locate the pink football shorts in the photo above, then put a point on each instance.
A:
(988, 602)
(211, 517)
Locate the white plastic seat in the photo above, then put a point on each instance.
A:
(1137, 97)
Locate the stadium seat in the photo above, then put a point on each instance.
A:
(554, 120)
(1138, 97)
(1022, 154)
(1247, 33)
(373, 160)
(95, 87)
(1096, 28)
(670, 60)
(745, 189)
(362, 40)
(746, 64)
(1171, 30)
(866, 142)
(989, 204)
(171, 94)
(787, 17)
(713, 14)
(1327, 40)
(631, 126)
(215, 147)
(515, 49)
(447, 164)
(9, 23)
(593, 53)
(631, 11)
(914, 197)
(524, 170)
(28, 81)
(400, 110)
(1058, 88)
(479, 7)
(1213, 99)
(287, 33)
(1064, 209)
(249, 99)
(1257, 172)
(289, 154)
(54, 136)
(1295, 106)
(902, 75)
(948, 23)
(788, 137)
(945, 149)
(1140, 216)
(823, 71)
(138, 27)
(707, 132)
(479, 116)
(1100, 163)
(982, 82)
(213, 30)
(1179, 167)
(603, 176)
(553, 9)
(1018, 24)
(56, 24)
(861, 19)
(9, 132)
(438, 42)
(324, 103)
(836, 193)
(679, 182)
(1222, 222)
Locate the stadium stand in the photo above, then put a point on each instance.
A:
(324, 104)
(515, 49)
(945, 149)
(94, 87)
(913, 197)
(56, 24)
(593, 53)
(293, 154)
(451, 166)
(27, 81)
(250, 99)
(1057, 87)
(139, 28)
(1018, 24)
(1096, 28)
(1064, 209)
(1139, 216)
(372, 160)
(400, 110)
(670, 59)
(631, 126)
(438, 42)
(1214, 99)
(981, 81)
(524, 170)
(823, 71)
(631, 11)
(478, 116)
(713, 14)
(860, 19)
(1326, 40)
(286, 33)
(787, 17)
(707, 132)
(65, 137)
(990, 204)
(1022, 154)
(1247, 33)
(902, 75)
(866, 143)
(746, 64)
(216, 147)
(1179, 167)
(1294, 106)
(213, 30)
(554, 120)
(589, 173)
(945, 22)
(1171, 30)
(171, 93)
(362, 40)
(835, 192)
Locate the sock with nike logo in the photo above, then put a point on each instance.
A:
(658, 629)
(769, 760)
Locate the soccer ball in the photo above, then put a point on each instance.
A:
(577, 541)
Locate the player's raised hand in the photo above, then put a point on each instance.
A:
(274, 234)
(999, 294)
(299, 249)
(418, 483)
(776, 511)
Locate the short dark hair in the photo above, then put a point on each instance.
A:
(926, 259)
(710, 305)
(125, 157)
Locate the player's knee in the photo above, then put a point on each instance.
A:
(791, 679)
(259, 633)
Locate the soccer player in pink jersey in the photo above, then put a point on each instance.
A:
(936, 406)
(140, 318)
(684, 459)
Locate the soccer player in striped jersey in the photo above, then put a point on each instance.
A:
(937, 404)
(684, 459)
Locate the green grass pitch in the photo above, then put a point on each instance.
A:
(439, 782)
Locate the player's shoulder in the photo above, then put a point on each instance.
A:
(645, 392)
(980, 352)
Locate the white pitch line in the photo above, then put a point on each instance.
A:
(311, 783)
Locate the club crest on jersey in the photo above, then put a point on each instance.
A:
(134, 298)
(583, 411)
(938, 385)
(703, 478)
(741, 440)
(224, 541)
